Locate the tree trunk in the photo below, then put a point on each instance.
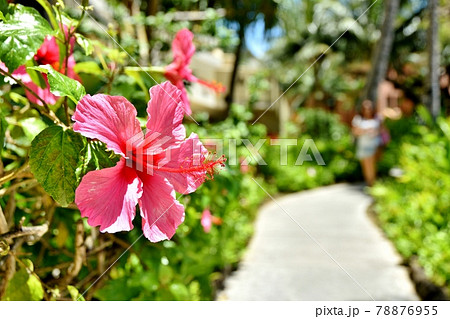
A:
(152, 10)
(141, 35)
(380, 57)
(434, 99)
(229, 97)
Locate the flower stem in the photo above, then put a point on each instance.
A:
(14, 174)
(47, 112)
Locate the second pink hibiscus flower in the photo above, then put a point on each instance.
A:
(48, 53)
(178, 71)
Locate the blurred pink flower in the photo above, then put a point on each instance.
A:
(244, 167)
(48, 53)
(207, 220)
(178, 71)
(153, 165)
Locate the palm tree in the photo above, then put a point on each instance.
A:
(433, 59)
(310, 32)
(242, 13)
(380, 57)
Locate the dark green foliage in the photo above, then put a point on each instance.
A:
(61, 85)
(21, 34)
(54, 158)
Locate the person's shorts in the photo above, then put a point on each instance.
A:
(367, 146)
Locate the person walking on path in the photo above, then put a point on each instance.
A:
(366, 126)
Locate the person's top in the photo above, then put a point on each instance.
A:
(366, 124)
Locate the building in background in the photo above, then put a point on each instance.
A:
(217, 66)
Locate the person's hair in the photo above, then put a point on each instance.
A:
(364, 104)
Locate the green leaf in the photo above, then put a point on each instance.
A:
(74, 293)
(36, 76)
(88, 67)
(117, 289)
(85, 43)
(24, 285)
(444, 126)
(179, 291)
(3, 7)
(21, 35)
(48, 9)
(137, 77)
(32, 126)
(425, 115)
(165, 274)
(18, 99)
(54, 157)
(61, 85)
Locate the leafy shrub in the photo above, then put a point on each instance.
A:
(414, 209)
(335, 144)
(401, 131)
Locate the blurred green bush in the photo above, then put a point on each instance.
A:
(414, 207)
(335, 144)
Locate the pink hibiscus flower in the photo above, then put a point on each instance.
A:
(153, 166)
(48, 53)
(178, 71)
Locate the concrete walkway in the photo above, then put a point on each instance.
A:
(346, 257)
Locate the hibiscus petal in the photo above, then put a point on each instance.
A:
(185, 99)
(161, 212)
(111, 119)
(48, 53)
(108, 197)
(180, 161)
(20, 73)
(165, 116)
(183, 47)
(43, 93)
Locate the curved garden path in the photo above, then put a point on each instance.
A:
(319, 245)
